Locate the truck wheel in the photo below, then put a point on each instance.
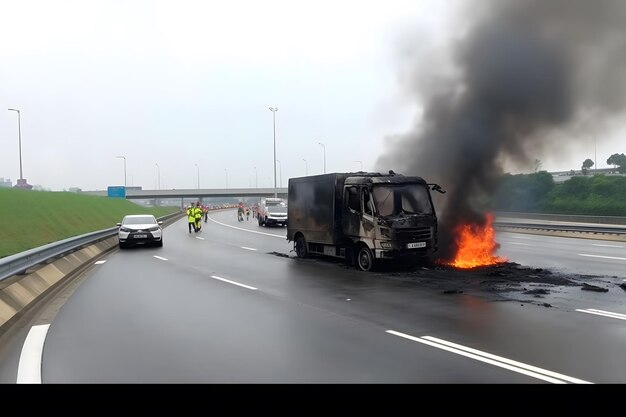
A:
(364, 259)
(301, 249)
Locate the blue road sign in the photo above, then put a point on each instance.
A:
(116, 191)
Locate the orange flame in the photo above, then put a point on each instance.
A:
(476, 245)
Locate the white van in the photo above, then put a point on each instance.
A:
(273, 211)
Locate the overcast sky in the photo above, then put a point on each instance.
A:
(187, 85)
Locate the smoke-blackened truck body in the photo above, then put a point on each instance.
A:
(363, 217)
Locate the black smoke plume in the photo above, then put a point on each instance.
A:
(522, 70)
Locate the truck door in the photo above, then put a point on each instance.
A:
(352, 211)
(368, 214)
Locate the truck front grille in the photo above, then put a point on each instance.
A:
(420, 233)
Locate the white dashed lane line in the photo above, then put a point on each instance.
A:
(29, 368)
(198, 237)
(158, 257)
(602, 256)
(246, 230)
(606, 246)
(602, 313)
(491, 359)
(244, 247)
(518, 243)
(233, 282)
(100, 262)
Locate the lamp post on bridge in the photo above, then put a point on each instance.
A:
(274, 110)
(124, 158)
(324, 147)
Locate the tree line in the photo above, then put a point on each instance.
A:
(597, 195)
(618, 160)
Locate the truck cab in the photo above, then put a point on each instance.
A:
(389, 218)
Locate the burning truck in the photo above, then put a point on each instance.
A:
(363, 217)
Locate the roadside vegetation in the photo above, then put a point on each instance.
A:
(29, 219)
(597, 195)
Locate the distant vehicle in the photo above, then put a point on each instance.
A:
(272, 211)
(140, 229)
(363, 217)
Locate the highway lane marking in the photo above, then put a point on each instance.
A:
(606, 246)
(158, 257)
(520, 237)
(233, 282)
(246, 230)
(100, 262)
(198, 237)
(518, 243)
(491, 359)
(601, 256)
(29, 368)
(603, 313)
(245, 247)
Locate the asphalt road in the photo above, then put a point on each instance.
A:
(232, 304)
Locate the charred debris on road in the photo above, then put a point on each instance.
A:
(502, 280)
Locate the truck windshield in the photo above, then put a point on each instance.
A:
(391, 200)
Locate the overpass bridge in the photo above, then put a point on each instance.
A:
(198, 193)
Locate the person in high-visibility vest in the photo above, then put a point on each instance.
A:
(198, 215)
(191, 217)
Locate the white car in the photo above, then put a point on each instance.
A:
(140, 229)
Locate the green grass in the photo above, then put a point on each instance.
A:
(29, 219)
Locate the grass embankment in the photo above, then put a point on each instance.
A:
(29, 219)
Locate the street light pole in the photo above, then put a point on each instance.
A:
(225, 170)
(19, 136)
(360, 162)
(280, 173)
(322, 145)
(256, 178)
(158, 177)
(274, 110)
(306, 167)
(124, 158)
(198, 169)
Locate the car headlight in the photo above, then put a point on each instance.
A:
(153, 229)
(386, 245)
(125, 230)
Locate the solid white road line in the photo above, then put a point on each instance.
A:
(246, 230)
(245, 247)
(520, 237)
(198, 237)
(499, 361)
(158, 257)
(29, 368)
(233, 282)
(607, 246)
(100, 262)
(603, 313)
(518, 243)
(600, 256)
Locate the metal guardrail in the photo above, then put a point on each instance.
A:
(20, 262)
(565, 228)
(570, 218)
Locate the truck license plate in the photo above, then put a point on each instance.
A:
(140, 236)
(416, 245)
